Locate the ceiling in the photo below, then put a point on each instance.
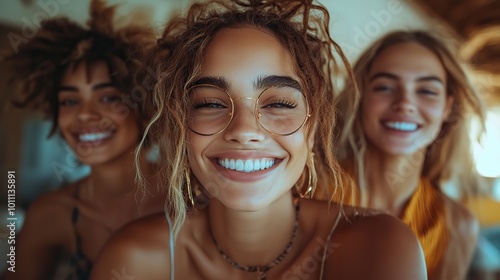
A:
(477, 24)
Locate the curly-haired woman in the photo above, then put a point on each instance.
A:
(82, 78)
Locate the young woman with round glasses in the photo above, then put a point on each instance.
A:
(244, 100)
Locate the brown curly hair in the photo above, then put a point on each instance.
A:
(301, 26)
(61, 44)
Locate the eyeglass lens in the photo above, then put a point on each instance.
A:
(280, 110)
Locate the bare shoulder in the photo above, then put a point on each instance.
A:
(54, 201)
(46, 229)
(373, 245)
(52, 208)
(463, 234)
(139, 250)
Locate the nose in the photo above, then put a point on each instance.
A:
(405, 102)
(88, 112)
(244, 127)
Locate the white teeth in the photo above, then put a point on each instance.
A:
(249, 165)
(239, 165)
(403, 126)
(90, 137)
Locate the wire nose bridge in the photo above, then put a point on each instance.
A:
(257, 114)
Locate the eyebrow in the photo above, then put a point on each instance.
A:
(273, 80)
(210, 80)
(95, 87)
(261, 82)
(394, 77)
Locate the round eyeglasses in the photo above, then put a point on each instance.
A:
(279, 109)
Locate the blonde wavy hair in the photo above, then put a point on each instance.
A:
(449, 155)
(301, 26)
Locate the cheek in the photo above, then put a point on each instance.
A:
(64, 119)
(120, 111)
(296, 145)
(436, 113)
(195, 147)
(373, 106)
(122, 116)
(369, 112)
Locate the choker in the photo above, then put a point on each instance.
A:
(262, 270)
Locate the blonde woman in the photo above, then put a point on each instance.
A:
(405, 136)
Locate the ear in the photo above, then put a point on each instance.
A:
(450, 100)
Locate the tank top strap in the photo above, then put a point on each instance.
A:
(82, 265)
(328, 239)
(171, 243)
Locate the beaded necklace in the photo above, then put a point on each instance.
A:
(262, 270)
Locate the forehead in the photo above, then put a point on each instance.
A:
(236, 53)
(84, 72)
(408, 59)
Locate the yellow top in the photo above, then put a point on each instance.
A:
(425, 215)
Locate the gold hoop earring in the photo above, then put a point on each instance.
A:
(312, 178)
(189, 191)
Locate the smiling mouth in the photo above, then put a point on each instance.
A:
(401, 126)
(95, 136)
(246, 165)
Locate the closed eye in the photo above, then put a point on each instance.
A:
(281, 104)
(383, 89)
(427, 92)
(209, 104)
(67, 102)
(110, 98)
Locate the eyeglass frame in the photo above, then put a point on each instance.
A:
(256, 101)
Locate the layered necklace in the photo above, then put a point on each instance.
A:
(262, 270)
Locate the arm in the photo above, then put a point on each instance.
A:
(463, 232)
(41, 238)
(140, 250)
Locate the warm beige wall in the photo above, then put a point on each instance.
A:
(355, 23)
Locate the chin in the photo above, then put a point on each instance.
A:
(99, 158)
(244, 203)
(93, 160)
(400, 151)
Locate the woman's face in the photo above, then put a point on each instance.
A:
(405, 102)
(93, 120)
(245, 166)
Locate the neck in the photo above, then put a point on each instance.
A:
(391, 180)
(253, 238)
(116, 179)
